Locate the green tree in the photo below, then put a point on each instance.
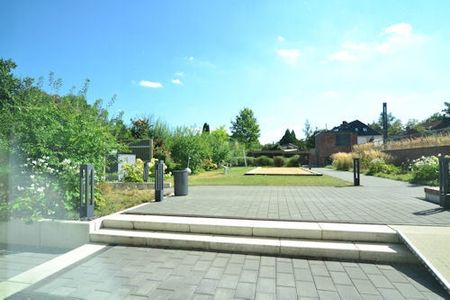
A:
(446, 110)
(206, 128)
(140, 128)
(245, 128)
(288, 138)
(310, 140)
(220, 146)
(395, 125)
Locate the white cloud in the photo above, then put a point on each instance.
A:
(289, 55)
(190, 58)
(179, 74)
(343, 55)
(329, 94)
(177, 81)
(400, 28)
(280, 38)
(150, 84)
(394, 38)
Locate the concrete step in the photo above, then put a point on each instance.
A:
(354, 251)
(254, 228)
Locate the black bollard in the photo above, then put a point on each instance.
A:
(356, 172)
(159, 181)
(444, 182)
(86, 191)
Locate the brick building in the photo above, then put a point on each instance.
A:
(340, 139)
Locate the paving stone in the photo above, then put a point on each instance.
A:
(245, 290)
(408, 290)
(285, 279)
(214, 273)
(284, 267)
(303, 275)
(264, 296)
(223, 294)
(251, 264)
(355, 273)
(334, 266)
(391, 294)
(267, 271)
(286, 293)
(380, 281)
(340, 278)
(207, 286)
(300, 263)
(220, 262)
(306, 289)
(348, 292)
(229, 281)
(324, 283)
(266, 285)
(267, 261)
(233, 268)
(319, 270)
(329, 295)
(365, 286)
(249, 276)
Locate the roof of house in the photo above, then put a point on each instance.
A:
(438, 124)
(357, 127)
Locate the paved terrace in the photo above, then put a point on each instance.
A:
(145, 273)
(377, 201)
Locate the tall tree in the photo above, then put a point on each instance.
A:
(446, 110)
(245, 128)
(205, 128)
(310, 141)
(288, 138)
(395, 125)
(140, 128)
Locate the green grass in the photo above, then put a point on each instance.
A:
(236, 176)
(400, 177)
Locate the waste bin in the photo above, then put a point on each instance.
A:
(180, 178)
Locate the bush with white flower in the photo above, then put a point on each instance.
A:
(43, 189)
(425, 170)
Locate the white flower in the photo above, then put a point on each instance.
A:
(20, 188)
(32, 176)
(40, 189)
(33, 162)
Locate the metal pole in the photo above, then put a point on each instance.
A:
(146, 171)
(385, 123)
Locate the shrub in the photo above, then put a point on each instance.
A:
(378, 165)
(293, 161)
(134, 173)
(425, 170)
(342, 161)
(279, 161)
(367, 153)
(250, 161)
(264, 161)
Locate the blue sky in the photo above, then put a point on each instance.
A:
(190, 62)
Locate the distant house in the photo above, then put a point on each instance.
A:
(341, 139)
(441, 124)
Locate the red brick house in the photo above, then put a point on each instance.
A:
(340, 139)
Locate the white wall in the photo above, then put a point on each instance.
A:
(45, 233)
(366, 138)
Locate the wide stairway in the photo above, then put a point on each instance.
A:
(354, 242)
